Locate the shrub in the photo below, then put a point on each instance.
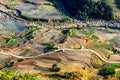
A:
(29, 34)
(12, 42)
(69, 75)
(55, 68)
(107, 71)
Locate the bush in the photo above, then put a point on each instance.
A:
(107, 71)
(55, 68)
(69, 75)
(12, 42)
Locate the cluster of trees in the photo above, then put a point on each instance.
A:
(87, 9)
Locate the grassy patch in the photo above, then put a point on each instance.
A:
(12, 42)
(89, 32)
(114, 65)
(73, 32)
(94, 37)
(8, 75)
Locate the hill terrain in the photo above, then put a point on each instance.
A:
(59, 40)
(93, 9)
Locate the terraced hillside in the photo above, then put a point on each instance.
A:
(47, 40)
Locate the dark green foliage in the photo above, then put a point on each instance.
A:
(65, 32)
(73, 34)
(69, 75)
(107, 71)
(50, 47)
(55, 68)
(56, 76)
(87, 9)
(65, 76)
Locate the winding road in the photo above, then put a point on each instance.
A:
(94, 52)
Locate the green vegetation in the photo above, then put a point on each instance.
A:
(50, 46)
(65, 31)
(69, 75)
(29, 33)
(12, 4)
(107, 71)
(65, 75)
(8, 75)
(94, 37)
(103, 49)
(55, 68)
(79, 75)
(89, 32)
(72, 32)
(88, 9)
(12, 42)
(116, 76)
(114, 65)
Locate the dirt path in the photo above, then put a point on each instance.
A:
(94, 52)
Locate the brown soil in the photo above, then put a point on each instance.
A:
(67, 61)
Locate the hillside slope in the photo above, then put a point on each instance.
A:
(115, 4)
(93, 9)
